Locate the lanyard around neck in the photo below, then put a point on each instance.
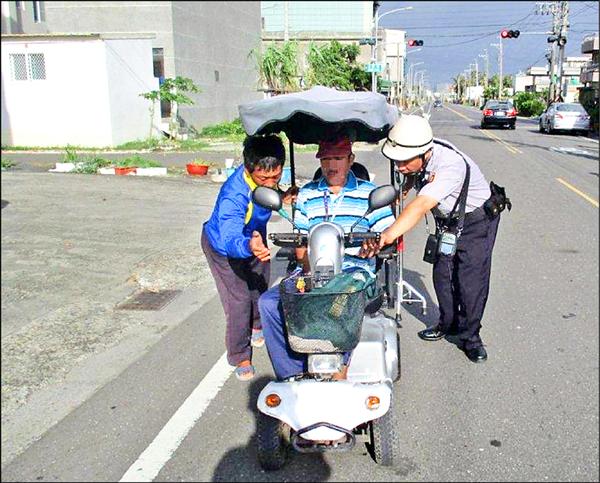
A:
(335, 204)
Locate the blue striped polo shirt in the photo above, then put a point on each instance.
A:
(315, 204)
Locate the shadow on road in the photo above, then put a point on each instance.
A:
(241, 464)
(5, 203)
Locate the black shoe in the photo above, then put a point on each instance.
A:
(431, 334)
(476, 354)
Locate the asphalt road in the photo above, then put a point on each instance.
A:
(530, 413)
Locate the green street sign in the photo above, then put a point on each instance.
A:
(385, 84)
(373, 67)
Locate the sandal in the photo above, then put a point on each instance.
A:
(244, 372)
(257, 339)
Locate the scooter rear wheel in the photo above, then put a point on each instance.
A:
(272, 443)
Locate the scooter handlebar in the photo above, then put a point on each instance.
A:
(356, 239)
(288, 239)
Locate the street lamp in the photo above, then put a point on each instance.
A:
(374, 51)
(409, 78)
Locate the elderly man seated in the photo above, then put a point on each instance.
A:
(337, 196)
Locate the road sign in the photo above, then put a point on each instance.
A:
(373, 67)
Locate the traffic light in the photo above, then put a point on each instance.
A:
(415, 43)
(510, 34)
(561, 40)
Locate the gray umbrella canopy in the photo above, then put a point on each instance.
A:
(321, 113)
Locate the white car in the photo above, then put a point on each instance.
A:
(564, 116)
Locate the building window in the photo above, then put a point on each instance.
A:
(28, 66)
(37, 66)
(158, 60)
(37, 12)
(19, 66)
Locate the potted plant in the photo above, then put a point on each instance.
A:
(131, 164)
(198, 167)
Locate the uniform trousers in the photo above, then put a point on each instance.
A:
(240, 282)
(462, 281)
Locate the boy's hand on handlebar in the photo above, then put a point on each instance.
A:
(290, 195)
(258, 248)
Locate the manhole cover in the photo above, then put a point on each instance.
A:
(146, 300)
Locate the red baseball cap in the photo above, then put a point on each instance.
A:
(339, 147)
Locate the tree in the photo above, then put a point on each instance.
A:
(334, 65)
(172, 90)
(278, 66)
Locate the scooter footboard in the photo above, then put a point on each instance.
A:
(339, 403)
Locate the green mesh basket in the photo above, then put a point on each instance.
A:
(324, 319)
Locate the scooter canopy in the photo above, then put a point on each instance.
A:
(320, 113)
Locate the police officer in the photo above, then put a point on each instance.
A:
(438, 170)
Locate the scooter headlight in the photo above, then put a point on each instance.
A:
(324, 363)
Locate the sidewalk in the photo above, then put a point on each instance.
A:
(73, 248)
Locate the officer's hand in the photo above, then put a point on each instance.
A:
(290, 195)
(371, 247)
(258, 248)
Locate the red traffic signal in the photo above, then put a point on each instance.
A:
(415, 43)
(510, 34)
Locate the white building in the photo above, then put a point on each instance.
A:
(536, 79)
(83, 90)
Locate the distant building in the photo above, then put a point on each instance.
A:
(590, 75)
(536, 78)
(347, 22)
(209, 42)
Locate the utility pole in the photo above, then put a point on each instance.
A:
(487, 66)
(560, 25)
(500, 71)
(286, 21)
(562, 40)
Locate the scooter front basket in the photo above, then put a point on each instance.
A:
(325, 319)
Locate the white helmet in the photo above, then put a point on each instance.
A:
(411, 136)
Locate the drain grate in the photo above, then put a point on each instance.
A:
(147, 300)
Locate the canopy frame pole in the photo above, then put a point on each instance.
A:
(405, 292)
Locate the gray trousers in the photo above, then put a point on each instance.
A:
(240, 282)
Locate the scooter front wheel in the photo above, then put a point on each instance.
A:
(272, 442)
(384, 439)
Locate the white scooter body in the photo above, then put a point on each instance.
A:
(372, 369)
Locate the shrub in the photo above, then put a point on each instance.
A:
(529, 103)
(224, 129)
(90, 164)
(137, 161)
(7, 163)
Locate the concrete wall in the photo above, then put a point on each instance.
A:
(74, 104)
(213, 41)
(108, 17)
(129, 71)
(198, 39)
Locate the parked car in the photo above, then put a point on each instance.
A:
(437, 103)
(498, 113)
(564, 116)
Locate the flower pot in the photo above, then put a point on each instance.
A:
(197, 169)
(121, 171)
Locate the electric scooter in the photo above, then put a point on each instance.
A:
(313, 412)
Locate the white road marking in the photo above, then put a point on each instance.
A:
(155, 456)
(568, 150)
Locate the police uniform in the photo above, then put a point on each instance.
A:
(461, 281)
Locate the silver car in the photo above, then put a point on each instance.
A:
(564, 116)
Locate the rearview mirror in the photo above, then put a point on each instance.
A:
(382, 196)
(267, 198)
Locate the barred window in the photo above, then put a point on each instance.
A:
(19, 66)
(28, 66)
(37, 66)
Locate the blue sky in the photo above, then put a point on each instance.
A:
(455, 33)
